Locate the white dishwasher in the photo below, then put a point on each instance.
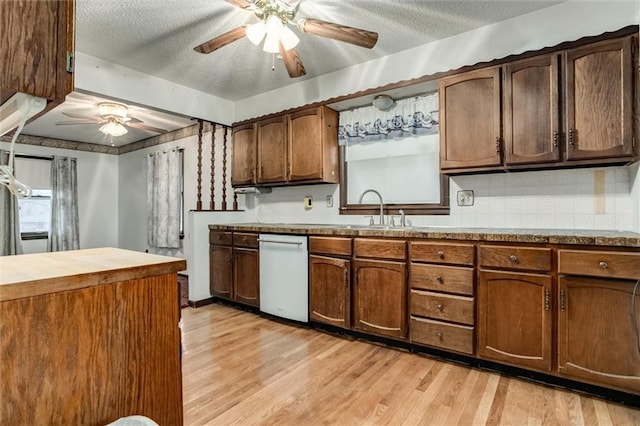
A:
(284, 279)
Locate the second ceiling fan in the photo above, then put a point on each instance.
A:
(275, 16)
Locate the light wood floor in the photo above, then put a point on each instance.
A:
(239, 368)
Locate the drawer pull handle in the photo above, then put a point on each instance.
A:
(603, 265)
(562, 300)
(440, 279)
(441, 254)
(440, 336)
(513, 258)
(547, 299)
(439, 308)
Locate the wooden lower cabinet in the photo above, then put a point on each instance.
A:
(515, 319)
(221, 271)
(246, 273)
(597, 342)
(380, 297)
(330, 290)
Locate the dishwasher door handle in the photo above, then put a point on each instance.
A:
(293, 243)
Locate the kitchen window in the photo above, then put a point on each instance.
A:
(35, 211)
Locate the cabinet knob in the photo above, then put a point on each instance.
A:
(513, 258)
(440, 254)
(440, 336)
(603, 265)
(439, 307)
(439, 279)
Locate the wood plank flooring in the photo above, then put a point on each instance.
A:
(240, 368)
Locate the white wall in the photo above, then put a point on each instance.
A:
(97, 196)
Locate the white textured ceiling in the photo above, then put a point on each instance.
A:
(157, 37)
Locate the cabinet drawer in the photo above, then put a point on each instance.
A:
(446, 307)
(330, 245)
(450, 279)
(599, 263)
(455, 337)
(511, 257)
(381, 249)
(221, 238)
(455, 254)
(241, 239)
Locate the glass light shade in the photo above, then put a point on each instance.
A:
(113, 128)
(289, 38)
(255, 33)
(274, 29)
(109, 108)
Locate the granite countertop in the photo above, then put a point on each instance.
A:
(36, 274)
(540, 236)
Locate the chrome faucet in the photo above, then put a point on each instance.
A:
(381, 203)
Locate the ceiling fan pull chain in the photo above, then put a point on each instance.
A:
(273, 62)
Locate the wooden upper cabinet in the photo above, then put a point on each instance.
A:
(36, 38)
(470, 120)
(313, 147)
(530, 107)
(599, 100)
(272, 150)
(243, 170)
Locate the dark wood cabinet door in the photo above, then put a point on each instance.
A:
(530, 108)
(305, 145)
(599, 100)
(470, 120)
(272, 150)
(515, 319)
(221, 271)
(243, 168)
(380, 297)
(246, 276)
(597, 342)
(36, 36)
(330, 290)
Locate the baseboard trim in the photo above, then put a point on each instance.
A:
(200, 303)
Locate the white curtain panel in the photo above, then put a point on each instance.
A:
(64, 233)
(11, 242)
(163, 199)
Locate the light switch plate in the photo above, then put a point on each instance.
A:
(465, 197)
(329, 201)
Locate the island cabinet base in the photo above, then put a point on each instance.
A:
(92, 355)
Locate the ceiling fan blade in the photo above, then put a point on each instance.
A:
(145, 127)
(69, 123)
(131, 119)
(222, 40)
(292, 62)
(84, 117)
(339, 32)
(244, 4)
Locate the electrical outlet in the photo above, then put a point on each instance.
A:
(308, 202)
(329, 201)
(465, 197)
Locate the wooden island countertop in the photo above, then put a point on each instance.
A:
(45, 273)
(89, 336)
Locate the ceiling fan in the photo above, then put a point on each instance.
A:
(114, 119)
(275, 16)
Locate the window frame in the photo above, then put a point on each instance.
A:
(30, 236)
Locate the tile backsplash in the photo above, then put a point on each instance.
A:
(592, 198)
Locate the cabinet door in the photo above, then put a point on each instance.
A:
(514, 319)
(380, 297)
(470, 120)
(596, 338)
(330, 292)
(36, 36)
(599, 100)
(530, 107)
(243, 170)
(305, 145)
(272, 150)
(246, 272)
(221, 271)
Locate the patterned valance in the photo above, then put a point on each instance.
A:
(408, 117)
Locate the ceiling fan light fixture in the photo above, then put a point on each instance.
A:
(274, 27)
(288, 38)
(113, 109)
(113, 128)
(256, 32)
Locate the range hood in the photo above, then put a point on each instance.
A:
(252, 190)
